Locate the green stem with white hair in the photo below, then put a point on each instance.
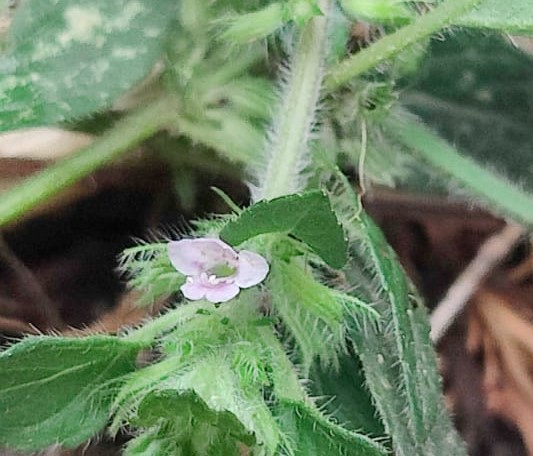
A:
(289, 140)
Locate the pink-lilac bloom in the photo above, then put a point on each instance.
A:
(214, 270)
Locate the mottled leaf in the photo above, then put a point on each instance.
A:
(69, 58)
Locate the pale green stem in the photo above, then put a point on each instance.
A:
(294, 122)
(498, 192)
(150, 330)
(389, 46)
(123, 137)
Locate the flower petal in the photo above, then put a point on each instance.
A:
(191, 257)
(252, 269)
(222, 292)
(194, 290)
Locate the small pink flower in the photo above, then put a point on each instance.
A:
(214, 270)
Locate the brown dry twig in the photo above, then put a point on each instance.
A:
(490, 254)
(504, 336)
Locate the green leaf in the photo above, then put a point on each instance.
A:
(149, 443)
(59, 390)
(473, 82)
(310, 434)
(397, 356)
(187, 409)
(148, 269)
(217, 353)
(346, 397)
(70, 58)
(309, 311)
(308, 217)
(515, 16)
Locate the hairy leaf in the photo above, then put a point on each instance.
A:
(215, 352)
(310, 434)
(397, 356)
(70, 58)
(187, 410)
(59, 390)
(308, 217)
(148, 269)
(309, 311)
(346, 397)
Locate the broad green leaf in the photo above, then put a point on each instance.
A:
(475, 82)
(308, 217)
(397, 356)
(59, 390)
(515, 16)
(346, 397)
(149, 443)
(310, 434)
(188, 412)
(70, 58)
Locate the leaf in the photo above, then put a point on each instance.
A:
(149, 443)
(310, 434)
(59, 390)
(148, 269)
(346, 397)
(309, 311)
(217, 353)
(308, 217)
(397, 356)
(514, 17)
(476, 82)
(70, 58)
(187, 409)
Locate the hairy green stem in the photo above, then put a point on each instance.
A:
(392, 44)
(147, 333)
(500, 193)
(294, 122)
(125, 135)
